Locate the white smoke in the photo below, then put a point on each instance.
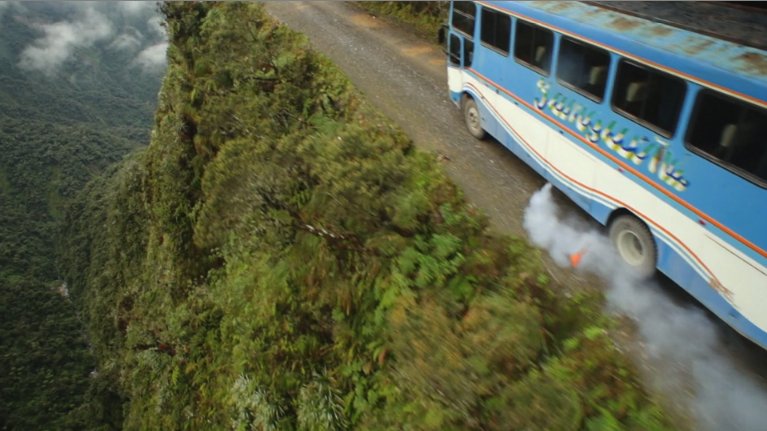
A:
(683, 340)
(62, 38)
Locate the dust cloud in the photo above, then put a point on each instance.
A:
(685, 358)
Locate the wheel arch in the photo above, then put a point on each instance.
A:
(466, 95)
(620, 211)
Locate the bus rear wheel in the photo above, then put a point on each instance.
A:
(472, 118)
(635, 244)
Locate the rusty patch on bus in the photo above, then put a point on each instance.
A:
(693, 49)
(560, 6)
(595, 12)
(659, 30)
(753, 62)
(624, 24)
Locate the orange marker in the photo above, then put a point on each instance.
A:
(575, 258)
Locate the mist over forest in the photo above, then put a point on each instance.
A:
(78, 89)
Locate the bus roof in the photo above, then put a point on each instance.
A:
(684, 49)
(739, 23)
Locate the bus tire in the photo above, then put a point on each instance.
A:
(635, 244)
(473, 119)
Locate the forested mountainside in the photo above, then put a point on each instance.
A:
(282, 257)
(71, 103)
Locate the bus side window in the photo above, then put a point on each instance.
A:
(495, 30)
(464, 14)
(583, 67)
(468, 52)
(533, 46)
(730, 133)
(454, 50)
(648, 96)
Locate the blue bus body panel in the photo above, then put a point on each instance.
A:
(725, 197)
(730, 208)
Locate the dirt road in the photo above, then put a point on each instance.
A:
(405, 78)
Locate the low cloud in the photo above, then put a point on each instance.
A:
(116, 24)
(690, 362)
(62, 38)
(153, 58)
(129, 40)
(155, 25)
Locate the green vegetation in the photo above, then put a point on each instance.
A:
(56, 133)
(281, 257)
(424, 17)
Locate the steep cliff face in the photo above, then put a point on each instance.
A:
(281, 257)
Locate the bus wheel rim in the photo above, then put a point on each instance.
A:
(473, 118)
(631, 248)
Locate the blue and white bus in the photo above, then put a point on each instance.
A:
(657, 130)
